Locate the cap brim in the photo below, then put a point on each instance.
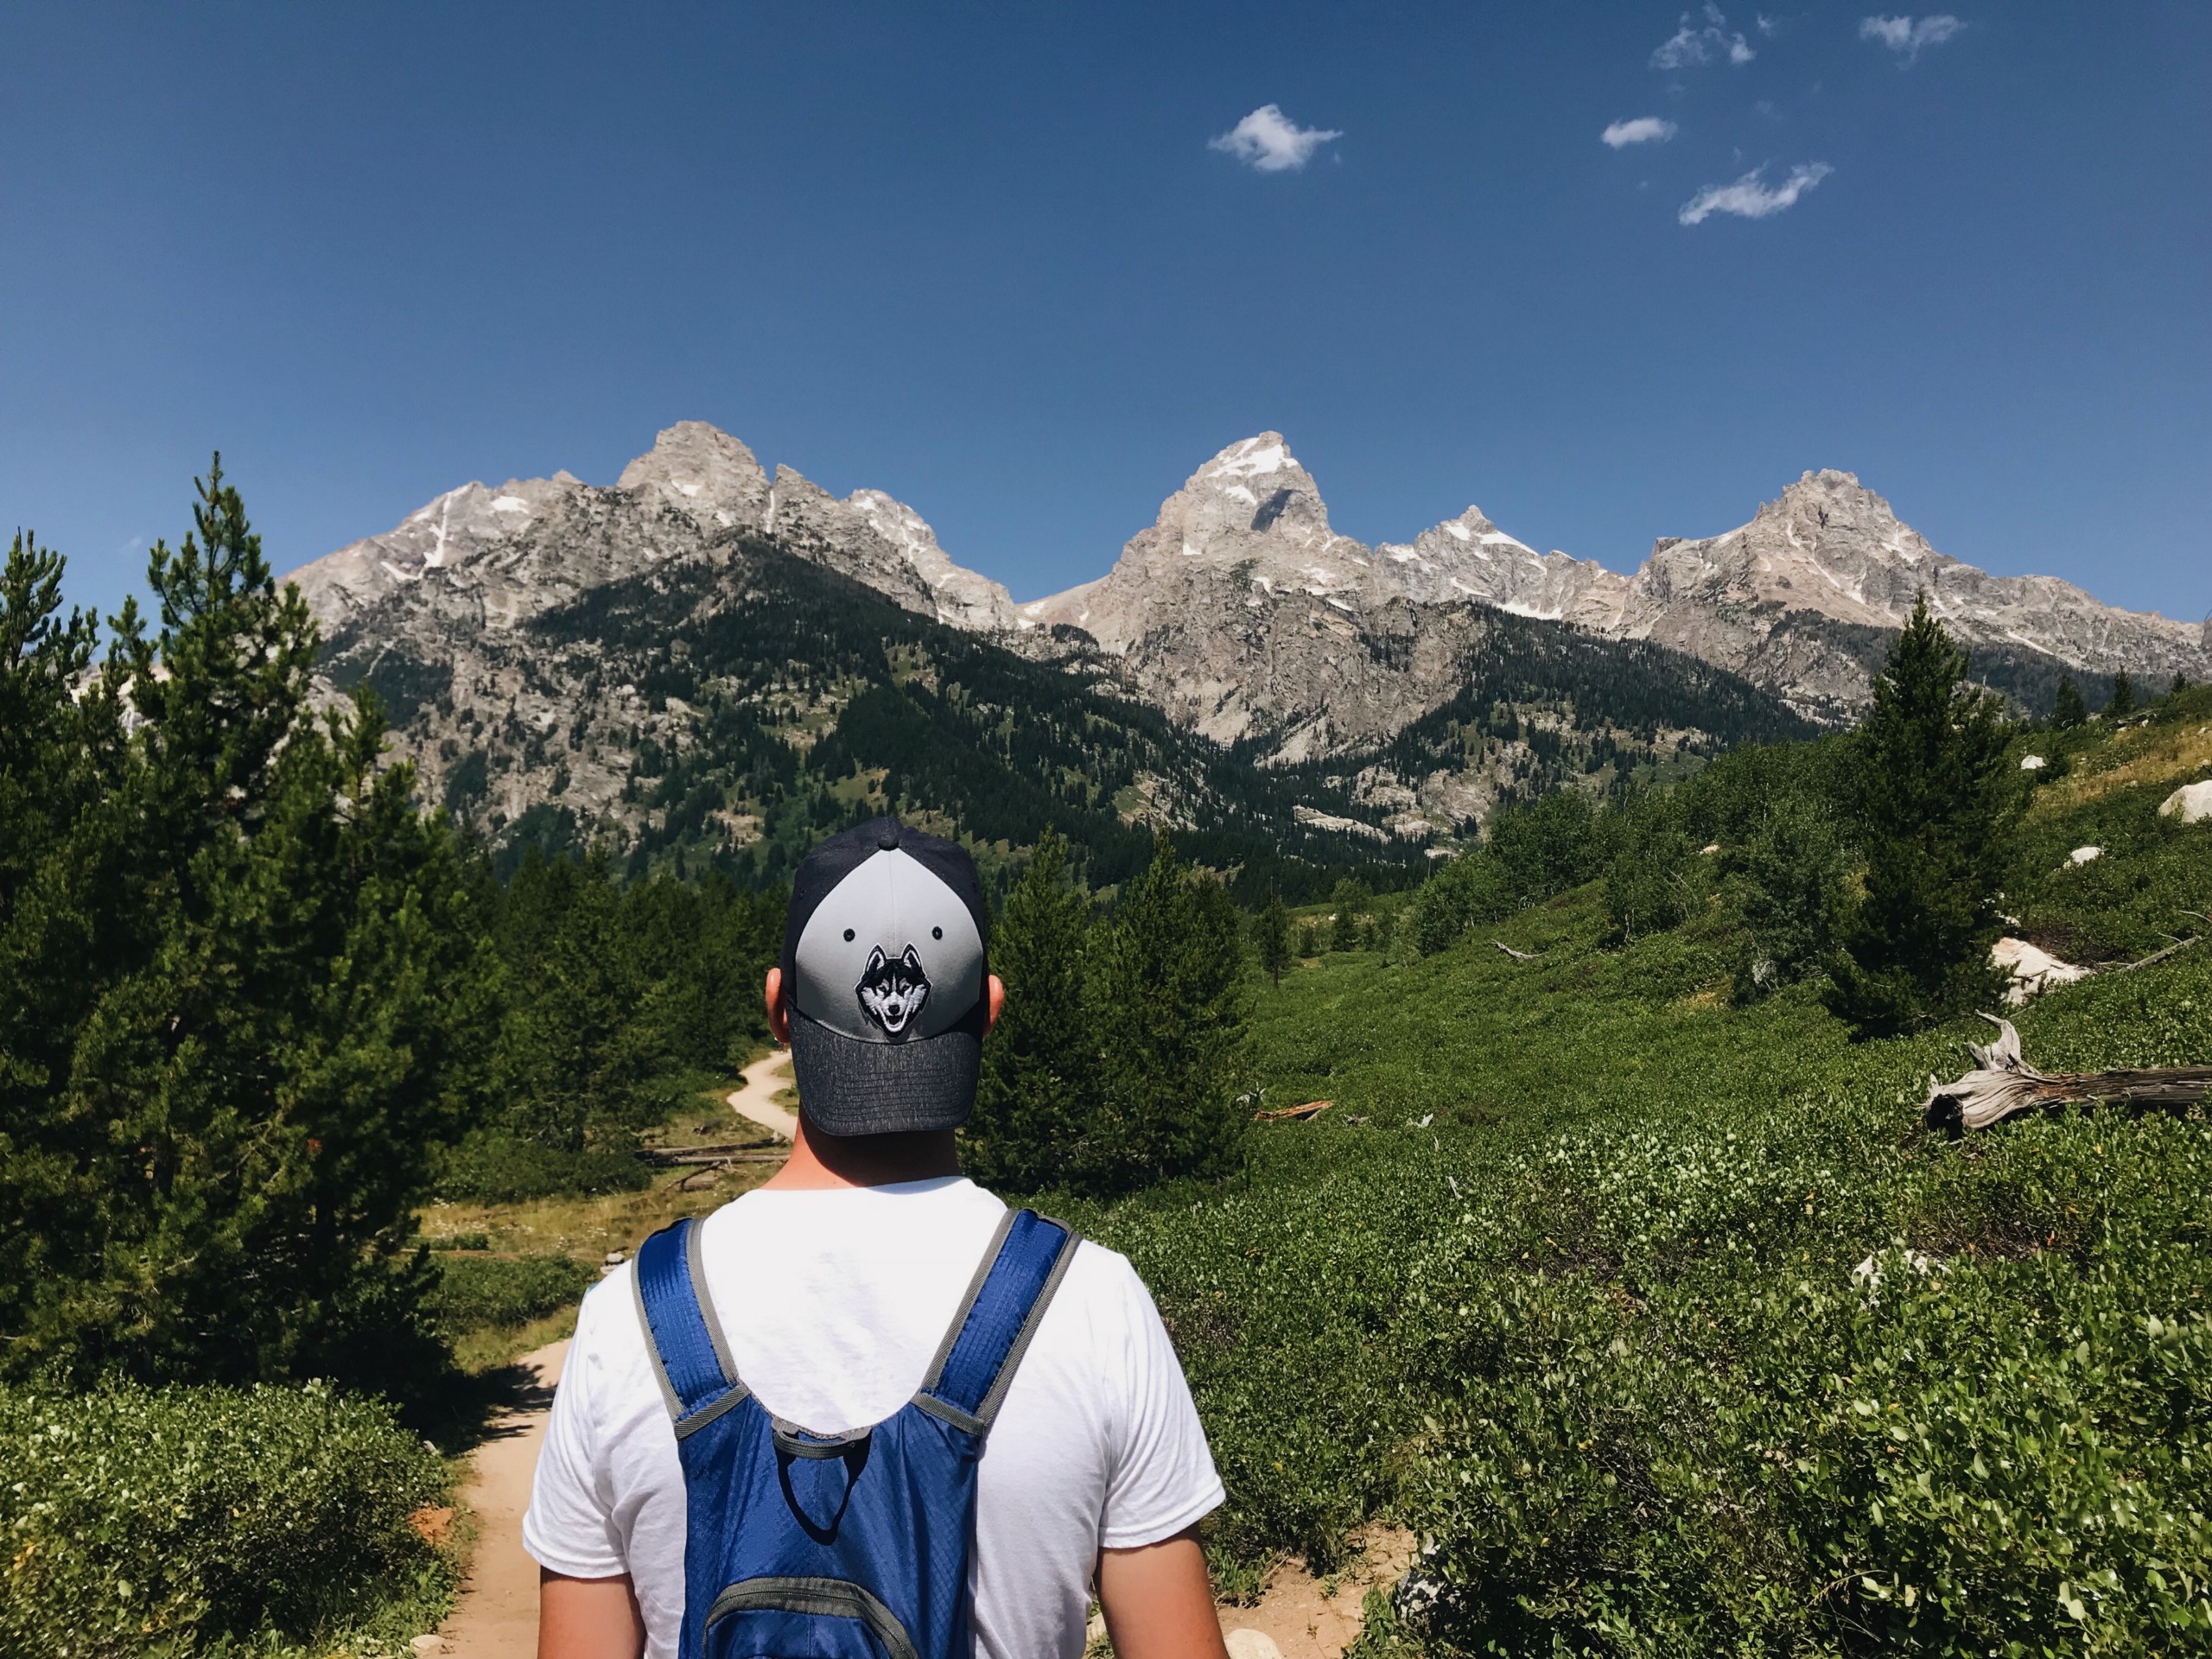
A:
(850, 1087)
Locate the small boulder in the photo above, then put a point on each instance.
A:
(2192, 803)
(2085, 855)
(2032, 763)
(2031, 970)
(1252, 1644)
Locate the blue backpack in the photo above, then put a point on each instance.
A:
(803, 1546)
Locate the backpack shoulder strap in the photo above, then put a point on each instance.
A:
(690, 1356)
(1027, 1258)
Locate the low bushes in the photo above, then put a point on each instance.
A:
(495, 1168)
(494, 1292)
(136, 1521)
(1713, 1347)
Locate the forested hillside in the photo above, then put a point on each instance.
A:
(725, 712)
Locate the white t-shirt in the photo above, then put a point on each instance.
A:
(834, 1302)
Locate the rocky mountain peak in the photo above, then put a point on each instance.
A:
(500, 556)
(700, 468)
(1253, 500)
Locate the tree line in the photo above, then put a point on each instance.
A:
(254, 1002)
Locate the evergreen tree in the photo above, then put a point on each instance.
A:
(1165, 997)
(243, 988)
(1787, 890)
(1271, 931)
(2123, 696)
(1037, 1094)
(1936, 799)
(1351, 900)
(1309, 942)
(575, 1048)
(2068, 710)
(1656, 878)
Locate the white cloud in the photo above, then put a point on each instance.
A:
(1768, 27)
(1908, 35)
(1270, 142)
(1691, 45)
(1644, 130)
(1750, 196)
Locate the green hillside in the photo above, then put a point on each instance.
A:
(1670, 1328)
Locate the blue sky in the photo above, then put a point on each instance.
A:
(989, 259)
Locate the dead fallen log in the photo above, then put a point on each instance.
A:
(2002, 1084)
(1294, 1114)
(745, 1152)
(1518, 956)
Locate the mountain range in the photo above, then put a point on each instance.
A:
(553, 654)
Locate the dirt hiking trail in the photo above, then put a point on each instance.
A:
(496, 1616)
(763, 1081)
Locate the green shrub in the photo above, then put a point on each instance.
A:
(1674, 1331)
(1786, 889)
(1657, 879)
(493, 1168)
(504, 1292)
(1471, 888)
(135, 1520)
(457, 1242)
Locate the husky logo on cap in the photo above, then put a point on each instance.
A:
(892, 989)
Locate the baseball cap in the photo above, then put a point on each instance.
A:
(884, 975)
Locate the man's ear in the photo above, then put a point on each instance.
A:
(997, 1002)
(780, 1016)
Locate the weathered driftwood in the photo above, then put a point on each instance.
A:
(1518, 956)
(1294, 1114)
(2003, 1084)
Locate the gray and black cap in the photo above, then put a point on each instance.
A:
(884, 975)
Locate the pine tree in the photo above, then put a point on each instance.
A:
(1936, 800)
(1165, 998)
(1351, 900)
(1037, 1096)
(241, 996)
(1271, 931)
(2123, 696)
(1786, 889)
(2068, 710)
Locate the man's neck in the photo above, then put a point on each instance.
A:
(820, 1161)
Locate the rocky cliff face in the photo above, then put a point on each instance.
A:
(1828, 550)
(1243, 615)
(497, 557)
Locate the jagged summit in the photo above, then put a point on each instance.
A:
(537, 542)
(700, 467)
(1241, 611)
(1251, 508)
(1796, 600)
